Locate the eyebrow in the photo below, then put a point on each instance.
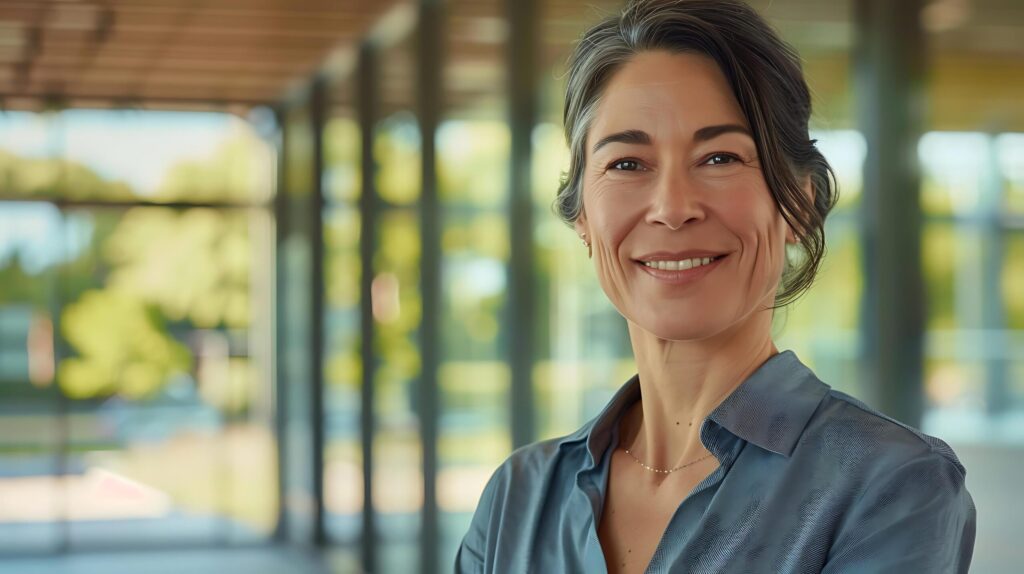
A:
(627, 137)
(640, 137)
(711, 132)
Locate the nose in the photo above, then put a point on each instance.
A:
(674, 201)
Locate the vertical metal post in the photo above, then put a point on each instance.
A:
(520, 315)
(60, 351)
(280, 287)
(317, 117)
(298, 327)
(430, 67)
(368, 207)
(888, 67)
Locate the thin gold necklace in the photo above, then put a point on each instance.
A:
(664, 471)
(692, 462)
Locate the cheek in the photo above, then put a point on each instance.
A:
(612, 214)
(761, 231)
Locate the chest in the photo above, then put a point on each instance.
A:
(637, 512)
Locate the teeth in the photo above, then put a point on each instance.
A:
(679, 265)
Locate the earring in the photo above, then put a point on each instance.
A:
(590, 251)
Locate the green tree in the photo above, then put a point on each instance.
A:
(123, 346)
(56, 178)
(139, 269)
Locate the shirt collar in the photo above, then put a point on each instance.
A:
(770, 408)
(773, 406)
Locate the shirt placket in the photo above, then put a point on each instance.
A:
(688, 514)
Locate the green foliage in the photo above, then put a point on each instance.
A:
(396, 148)
(938, 245)
(341, 236)
(123, 346)
(342, 155)
(1013, 282)
(474, 162)
(140, 268)
(56, 178)
(194, 266)
(17, 286)
(234, 172)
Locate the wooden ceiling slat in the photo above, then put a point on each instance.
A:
(230, 53)
(212, 39)
(164, 99)
(131, 84)
(268, 22)
(190, 51)
(185, 50)
(69, 62)
(117, 92)
(256, 31)
(364, 8)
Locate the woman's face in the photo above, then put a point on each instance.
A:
(672, 175)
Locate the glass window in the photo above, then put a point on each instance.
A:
(1011, 164)
(823, 326)
(30, 402)
(342, 223)
(97, 155)
(134, 347)
(168, 409)
(155, 425)
(473, 153)
(968, 258)
(398, 452)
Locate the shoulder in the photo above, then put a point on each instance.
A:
(866, 445)
(892, 432)
(530, 467)
(898, 481)
(512, 499)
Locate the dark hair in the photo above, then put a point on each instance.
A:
(766, 78)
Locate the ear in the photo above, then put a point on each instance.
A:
(808, 189)
(581, 224)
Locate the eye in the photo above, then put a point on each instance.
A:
(625, 165)
(721, 159)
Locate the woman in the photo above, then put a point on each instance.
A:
(691, 178)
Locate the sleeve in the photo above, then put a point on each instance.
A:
(467, 560)
(471, 555)
(918, 518)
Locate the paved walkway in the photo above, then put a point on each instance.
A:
(269, 560)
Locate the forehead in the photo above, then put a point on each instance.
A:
(661, 91)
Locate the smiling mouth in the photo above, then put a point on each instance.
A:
(680, 265)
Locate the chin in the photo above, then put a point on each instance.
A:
(680, 326)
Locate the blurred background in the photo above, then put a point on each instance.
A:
(281, 286)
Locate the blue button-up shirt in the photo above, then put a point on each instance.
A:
(810, 480)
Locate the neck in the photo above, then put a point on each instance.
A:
(681, 382)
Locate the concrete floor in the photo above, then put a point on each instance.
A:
(993, 479)
(270, 560)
